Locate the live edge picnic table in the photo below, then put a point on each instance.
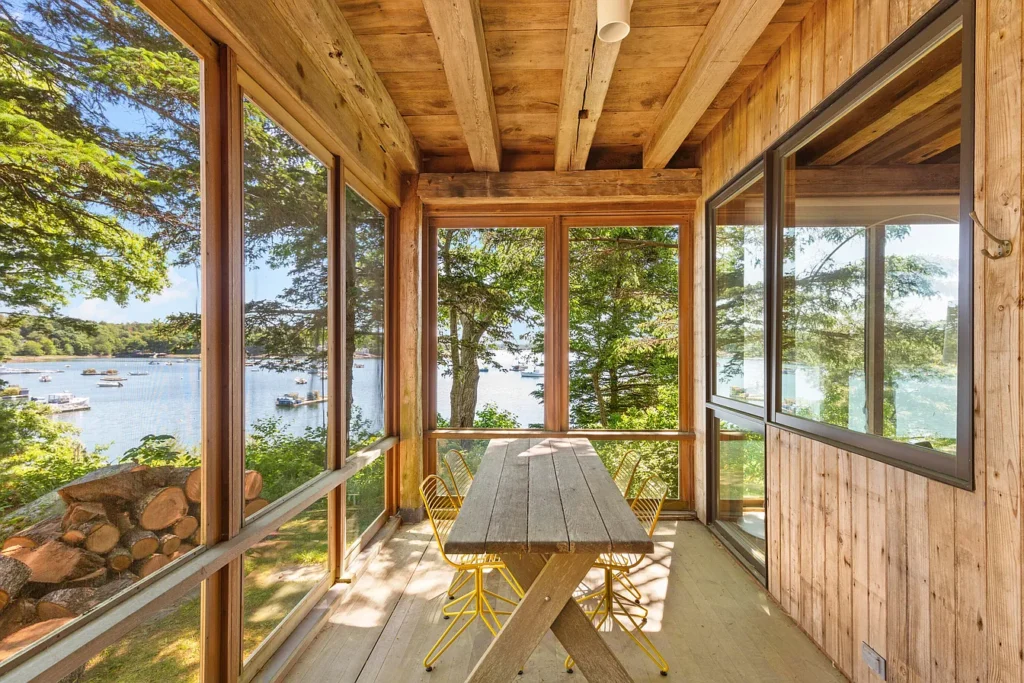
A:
(548, 508)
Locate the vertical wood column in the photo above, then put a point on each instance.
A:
(337, 399)
(223, 348)
(409, 255)
(687, 357)
(556, 322)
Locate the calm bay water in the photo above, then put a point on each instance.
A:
(167, 400)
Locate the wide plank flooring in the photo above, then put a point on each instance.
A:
(710, 619)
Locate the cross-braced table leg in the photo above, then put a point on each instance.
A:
(546, 604)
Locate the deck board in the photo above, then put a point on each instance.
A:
(712, 621)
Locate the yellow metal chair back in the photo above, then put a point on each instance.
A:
(649, 501)
(625, 471)
(441, 509)
(458, 470)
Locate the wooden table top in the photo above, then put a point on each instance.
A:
(545, 496)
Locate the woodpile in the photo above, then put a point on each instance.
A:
(115, 528)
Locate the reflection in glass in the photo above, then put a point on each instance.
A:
(870, 246)
(739, 296)
(99, 275)
(490, 324)
(285, 233)
(280, 571)
(624, 327)
(656, 457)
(741, 486)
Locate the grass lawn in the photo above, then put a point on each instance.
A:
(279, 571)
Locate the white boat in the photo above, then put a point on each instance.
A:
(65, 402)
(538, 371)
(45, 378)
(109, 383)
(301, 380)
(138, 374)
(358, 365)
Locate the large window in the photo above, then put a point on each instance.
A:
(100, 411)
(365, 233)
(490, 327)
(570, 324)
(874, 257)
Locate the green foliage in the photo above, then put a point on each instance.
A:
(58, 335)
(284, 460)
(623, 322)
(161, 449)
(38, 454)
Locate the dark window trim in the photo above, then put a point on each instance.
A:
(741, 182)
(958, 471)
(722, 530)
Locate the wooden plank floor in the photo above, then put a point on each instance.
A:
(710, 619)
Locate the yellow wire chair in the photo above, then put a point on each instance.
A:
(647, 506)
(625, 475)
(475, 604)
(462, 478)
(625, 471)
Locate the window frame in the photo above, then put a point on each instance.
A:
(715, 415)
(749, 175)
(945, 18)
(556, 329)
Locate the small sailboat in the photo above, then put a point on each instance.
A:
(538, 371)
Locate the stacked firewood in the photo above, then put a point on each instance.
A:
(115, 529)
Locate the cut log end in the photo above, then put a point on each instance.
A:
(143, 568)
(160, 508)
(14, 574)
(254, 506)
(140, 543)
(185, 527)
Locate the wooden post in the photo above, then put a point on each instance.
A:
(223, 350)
(409, 253)
(874, 337)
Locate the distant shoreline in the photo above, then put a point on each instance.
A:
(49, 359)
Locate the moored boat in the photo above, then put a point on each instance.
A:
(109, 383)
(65, 402)
(45, 378)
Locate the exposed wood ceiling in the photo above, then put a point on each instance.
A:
(526, 54)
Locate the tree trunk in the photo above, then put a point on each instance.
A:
(14, 574)
(18, 614)
(189, 479)
(66, 602)
(56, 562)
(602, 410)
(20, 639)
(123, 485)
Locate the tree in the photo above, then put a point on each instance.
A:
(488, 282)
(623, 322)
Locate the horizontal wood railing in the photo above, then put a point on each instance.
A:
(60, 653)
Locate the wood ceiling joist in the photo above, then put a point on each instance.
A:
(458, 28)
(732, 31)
(330, 39)
(529, 186)
(589, 64)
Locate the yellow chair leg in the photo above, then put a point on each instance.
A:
(460, 579)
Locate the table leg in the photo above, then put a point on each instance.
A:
(548, 604)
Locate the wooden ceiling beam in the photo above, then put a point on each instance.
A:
(734, 28)
(331, 41)
(589, 64)
(458, 29)
(560, 186)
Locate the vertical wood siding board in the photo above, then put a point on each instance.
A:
(899, 17)
(832, 30)
(1002, 342)
(844, 596)
(861, 37)
(771, 101)
(861, 562)
(785, 84)
(970, 608)
(942, 587)
(918, 581)
(795, 515)
(818, 561)
(845, 47)
(806, 50)
(774, 507)
(818, 56)
(784, 543)
(795, 56)
(807, 540)
(878, 31)
(756, 112)
(896, 577)
(877, 557)
(831, 509)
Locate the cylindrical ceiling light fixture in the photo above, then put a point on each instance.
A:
(613, 19)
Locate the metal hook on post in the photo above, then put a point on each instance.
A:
(1003, 247)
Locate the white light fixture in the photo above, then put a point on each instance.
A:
(613, 19)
